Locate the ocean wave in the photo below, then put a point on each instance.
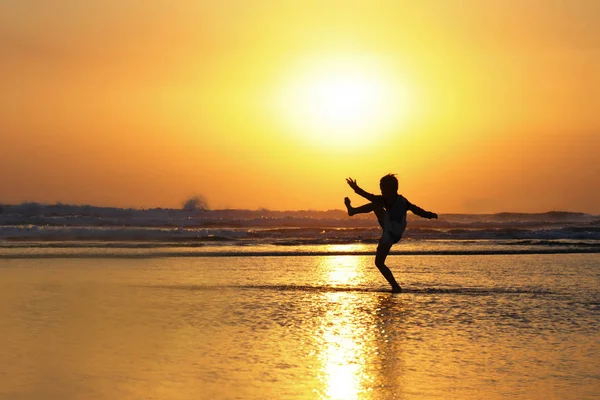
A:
(86, 215)
(281, 236)
(69, 233)
(553, 243)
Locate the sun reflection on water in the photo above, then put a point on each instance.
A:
(339, 270)
(345, 247)
(343, 348)
(344, 337)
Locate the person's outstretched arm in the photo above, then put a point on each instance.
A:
(420, 212)
(359, 191)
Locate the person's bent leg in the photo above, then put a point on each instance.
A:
(383, 250)
(364, 209)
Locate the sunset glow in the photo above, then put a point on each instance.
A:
(343, 103)
(477, 106)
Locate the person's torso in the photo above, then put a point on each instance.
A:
(397, 210)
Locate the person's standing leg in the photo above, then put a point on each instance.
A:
(383, 249)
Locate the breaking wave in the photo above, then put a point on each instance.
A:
(39, 226)
(286, 236)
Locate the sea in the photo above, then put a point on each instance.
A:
(110, 303)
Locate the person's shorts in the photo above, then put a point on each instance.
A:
(389, 238)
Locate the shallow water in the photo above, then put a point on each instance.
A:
(466, 327)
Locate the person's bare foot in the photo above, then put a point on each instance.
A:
(348, 206)
(396, 289)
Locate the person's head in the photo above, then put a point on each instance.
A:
(389, 186)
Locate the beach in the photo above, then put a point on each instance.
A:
(521, 326)
(216, 199)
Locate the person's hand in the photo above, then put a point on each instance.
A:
(433, 215)
(352, 183)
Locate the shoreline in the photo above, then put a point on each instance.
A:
(299, 254)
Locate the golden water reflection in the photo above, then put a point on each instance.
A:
(343, 348)
(332, 248)
(340, 270)
(351, 335)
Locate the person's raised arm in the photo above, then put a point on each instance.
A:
(359, 191)
(420, 212)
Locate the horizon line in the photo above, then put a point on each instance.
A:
(264, 209)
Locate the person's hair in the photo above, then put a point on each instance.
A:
(389, 180)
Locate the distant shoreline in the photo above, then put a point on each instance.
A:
(38, 208)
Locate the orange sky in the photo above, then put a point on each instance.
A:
(479, 106)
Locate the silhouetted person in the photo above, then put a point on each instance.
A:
(390, 209)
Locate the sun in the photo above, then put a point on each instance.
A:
(345, 102)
